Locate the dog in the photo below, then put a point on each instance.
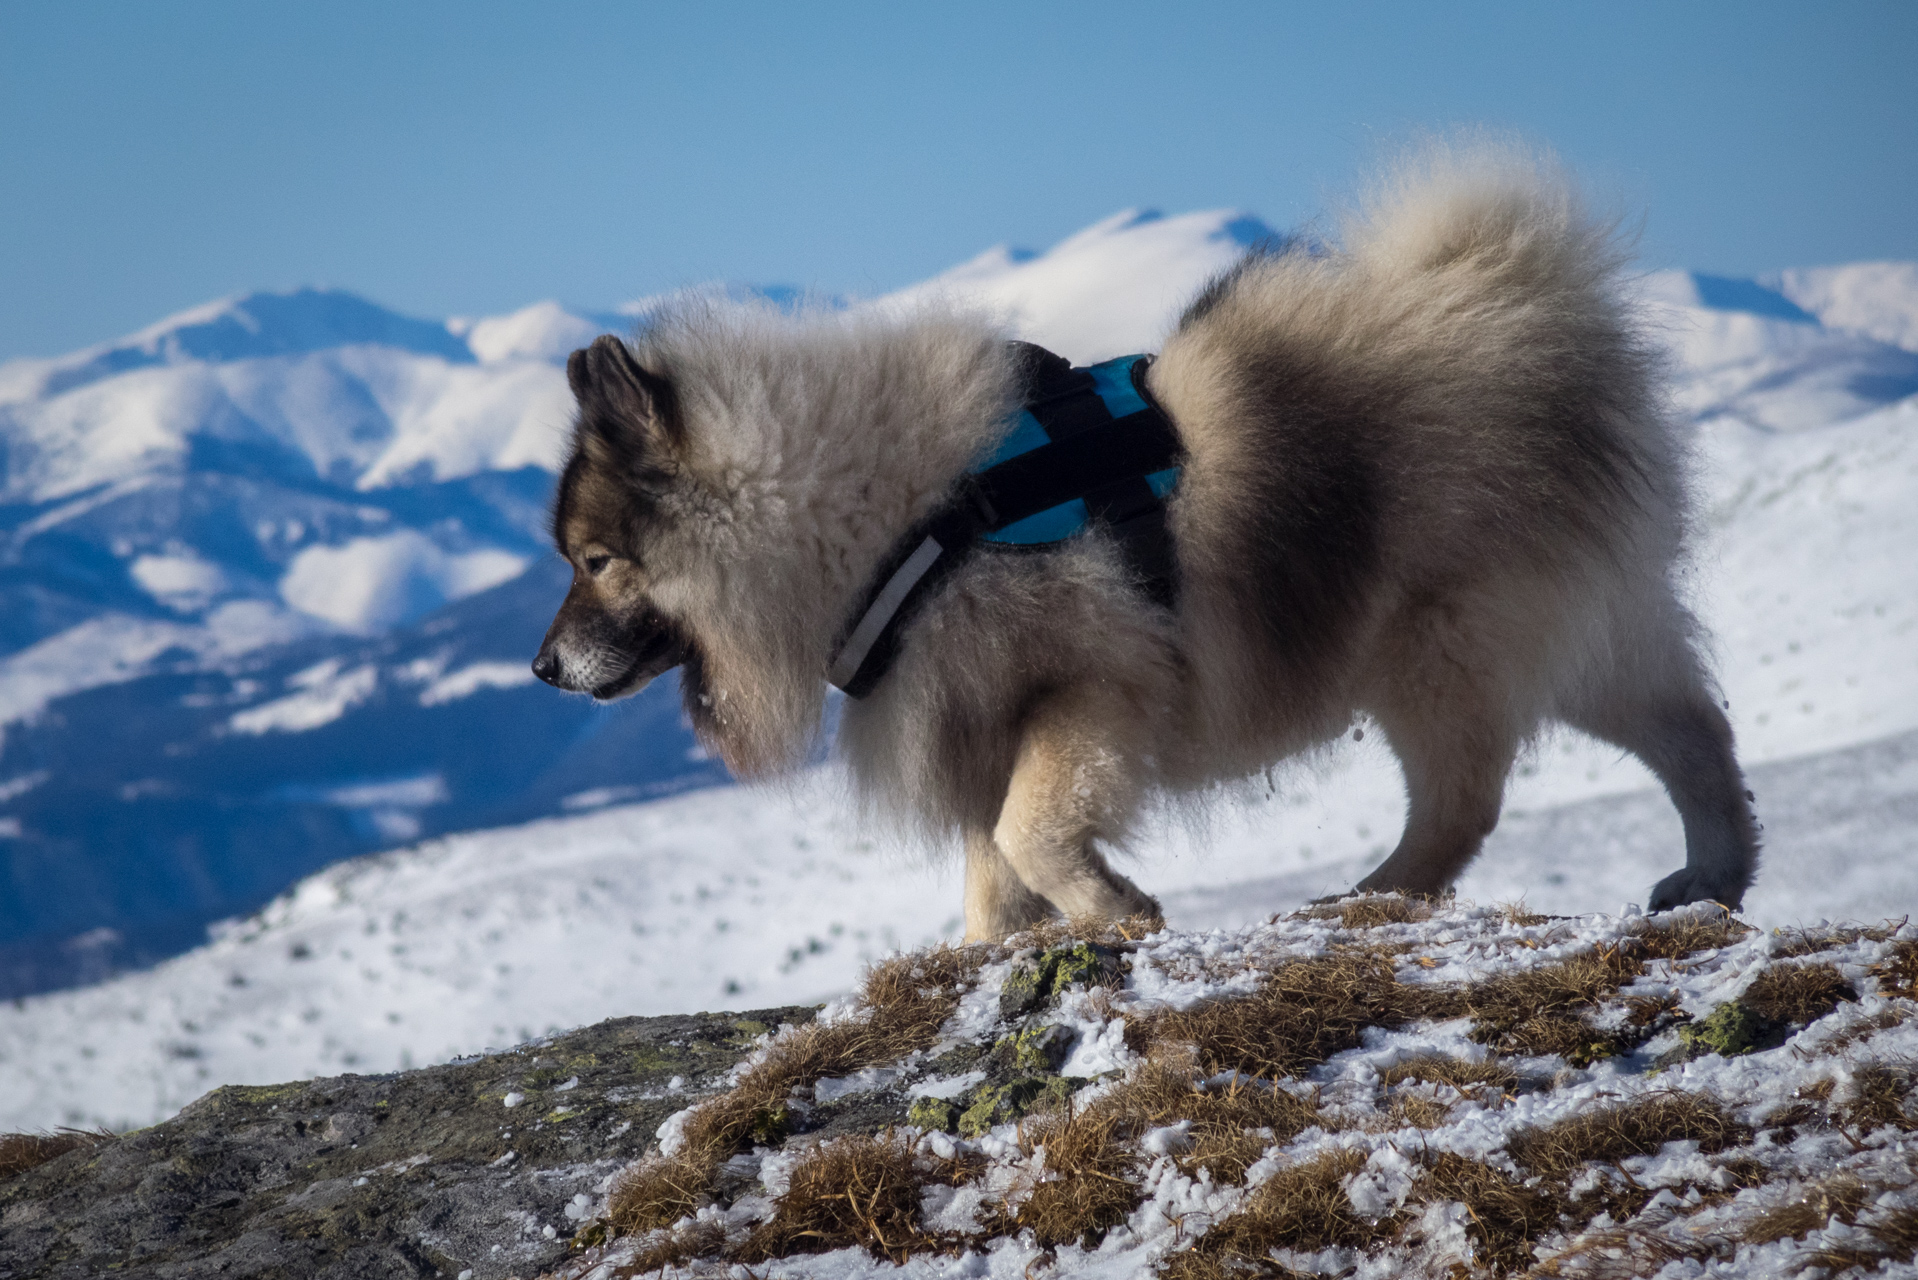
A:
(1429, 477)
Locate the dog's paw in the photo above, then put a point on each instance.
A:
(1685, 886)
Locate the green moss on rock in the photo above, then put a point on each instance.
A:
(941, 1114)
(1731, 1029)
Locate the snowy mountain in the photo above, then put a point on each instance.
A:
(276, 613)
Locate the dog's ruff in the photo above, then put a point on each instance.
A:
(1429, 477)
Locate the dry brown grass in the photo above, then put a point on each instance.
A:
(1120, 935)
(1793, 943)
(1540, 1010)
(1084, 1189)
(1302, 1206)
(1876, 1098)
(674, 1248)
(1636, 1128)
(1232, 1125)
(1506, 1216)
(862, 1191)
(1676, 939)
(1894, 1237)
(1897, 973)
(1370, 910)
(1304, 1012)
(1622, 1254)
(1797, 993)
(907, 1000)
(20, 1152)
(1089, 1182)
(1461, 1073)
(1517, 914)
(1839, 1197)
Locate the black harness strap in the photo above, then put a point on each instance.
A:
(1090, 455)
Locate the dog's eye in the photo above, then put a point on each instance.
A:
(596, 564)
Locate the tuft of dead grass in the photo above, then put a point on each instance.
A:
(1304, 1012)
(1797, 993)
(1876, 1097)
(907, 999)
(1839, 1197)
(674, 1248)
(1793, 943)
(1636, 1128)
(1894, 1238)
(1540, 1010)
(1897, 973)
(1623, 1254)
(1302, 1206)
(1120, 935)
(1089, 1184)
(1461, 1073)
(1506, 1216)
(1083, 1190)
(20, 1152)
(1689, 934)
(862, 1191)
(1232, 1124)
(1370, 910)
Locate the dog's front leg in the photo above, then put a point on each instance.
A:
(997, 900)
(1075, 780)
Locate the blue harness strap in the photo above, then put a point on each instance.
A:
(1088, 447)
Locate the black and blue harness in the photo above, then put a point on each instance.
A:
(1089, 447)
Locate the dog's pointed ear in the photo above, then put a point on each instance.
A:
(627, 415)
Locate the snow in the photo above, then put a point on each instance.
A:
(1110, 290)
(182, 580)
(324, 694)
(1459, 944)
(543, 331)
(1879, 299)
(469, 680)
(369, 585)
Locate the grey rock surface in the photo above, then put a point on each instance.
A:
(423, 1173)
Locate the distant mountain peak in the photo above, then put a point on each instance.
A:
(252, 325)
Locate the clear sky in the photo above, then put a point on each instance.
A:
(469, 158)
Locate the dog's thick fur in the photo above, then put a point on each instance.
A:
(1430, 478)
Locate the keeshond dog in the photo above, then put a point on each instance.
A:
(1429, 478)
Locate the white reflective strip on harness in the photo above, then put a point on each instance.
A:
(853, 655)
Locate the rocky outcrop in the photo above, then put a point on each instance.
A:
(483, 1167)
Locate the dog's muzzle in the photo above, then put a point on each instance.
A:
(609, 671)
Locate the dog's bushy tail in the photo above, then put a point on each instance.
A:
(1488, 209)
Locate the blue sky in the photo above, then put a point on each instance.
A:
(468, 158)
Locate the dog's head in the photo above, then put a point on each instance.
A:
(616, 630)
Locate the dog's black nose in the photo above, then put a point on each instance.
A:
(546, 666)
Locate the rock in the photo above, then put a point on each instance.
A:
(1731, 1029)
(1040, 1050)
(268, 1182)
(934, 1113)
(1003, 1103)
(1038, 976)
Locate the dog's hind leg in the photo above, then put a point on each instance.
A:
(1445, 709)
(997, 900)
(1455, 767)
(1666, 716)
(1074, 781)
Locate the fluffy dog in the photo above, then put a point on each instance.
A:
(1429, 477)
